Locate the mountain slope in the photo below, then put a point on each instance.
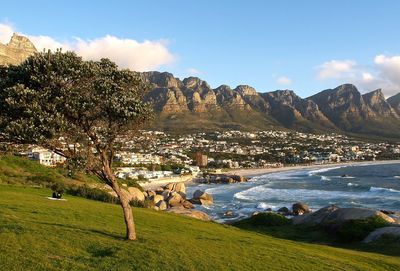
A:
(394, 101)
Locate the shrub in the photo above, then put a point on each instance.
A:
(91, 193)
(357, 230)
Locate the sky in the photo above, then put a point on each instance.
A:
(306, 46)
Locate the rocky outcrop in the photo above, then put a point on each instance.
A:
(222, 179)
(376, 101)
(390, 232)
(16, 51)
(394, 102)
(332, 215)
(300, 208)
(201, 197)
(191, 213)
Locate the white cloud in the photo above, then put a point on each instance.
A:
(127, 53)
(6, 31)
(193, 72)
(384, 74)
(283, 80)
(336, 69)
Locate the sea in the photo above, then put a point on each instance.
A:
(371, 185)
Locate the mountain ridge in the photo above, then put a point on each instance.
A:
(192, 104)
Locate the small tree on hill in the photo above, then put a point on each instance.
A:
(79, 109)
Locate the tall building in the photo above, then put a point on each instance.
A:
(201, 159)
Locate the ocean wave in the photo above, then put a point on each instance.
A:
(352, 184)
(316, 171)
(263, 193)
(264, 206)
(325, 178)
(383, 190)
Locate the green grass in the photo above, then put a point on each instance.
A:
(20, 170)
(80, 234)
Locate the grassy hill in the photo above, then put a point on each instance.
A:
(80, 234)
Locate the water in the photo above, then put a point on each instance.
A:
(374, 186)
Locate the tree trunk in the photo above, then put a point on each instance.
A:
(124, 201)
(128, 216)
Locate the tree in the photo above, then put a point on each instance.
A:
(79, 109)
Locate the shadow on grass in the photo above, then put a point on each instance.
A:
(315, 235)
(81, 229)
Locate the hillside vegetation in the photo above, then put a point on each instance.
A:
(80, 234)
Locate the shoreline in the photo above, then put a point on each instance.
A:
(253, 172)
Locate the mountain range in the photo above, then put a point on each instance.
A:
(192, 105)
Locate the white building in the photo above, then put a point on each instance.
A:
(45, 157)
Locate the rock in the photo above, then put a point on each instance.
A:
(317, 217)
(161, 205)
(151, 193)
(159, 190)
(385, 231)
(300, 208)
(16, 51)
(166, 194)
(174, 199)
(157, 198)
(284, 211)
(203, 198)
(191, 213)
(341, 215)
(187, 204)
(136, 194)
(228, 213)
(180, 188)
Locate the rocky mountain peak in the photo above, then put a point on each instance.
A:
(195, 83)
(394, 102)
(16, 51)
(246, 90)
(162, 79)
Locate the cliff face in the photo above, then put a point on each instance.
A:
(191, 104)
(16, 51)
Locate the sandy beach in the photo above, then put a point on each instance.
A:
(252, 172)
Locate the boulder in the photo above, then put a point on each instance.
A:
(180, 188)
(174, 199)
(228, 213)
(187, 204)
(166, 194)
(300, 208)
(157, 198)
(385, 231)
(341, 215)
(191, 213)
(284, 211)
(150, 193)
(136, 194)
(317, 217)
(159, 190)
(161, 205)
(201, 197)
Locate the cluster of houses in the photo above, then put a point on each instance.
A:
(230, 149)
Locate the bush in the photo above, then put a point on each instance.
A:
(91, 193)
(357, 230)
(266, 219)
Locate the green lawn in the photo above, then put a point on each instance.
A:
(80, 234)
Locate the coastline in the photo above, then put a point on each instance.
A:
(253, 172)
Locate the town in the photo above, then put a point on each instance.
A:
(156, 154)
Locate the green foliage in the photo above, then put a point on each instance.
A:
(267, 219)
(91, 193)
(79, 234)
(58, 187)
(88, 103)
(357, 230)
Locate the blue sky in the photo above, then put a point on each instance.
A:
(306, 46)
